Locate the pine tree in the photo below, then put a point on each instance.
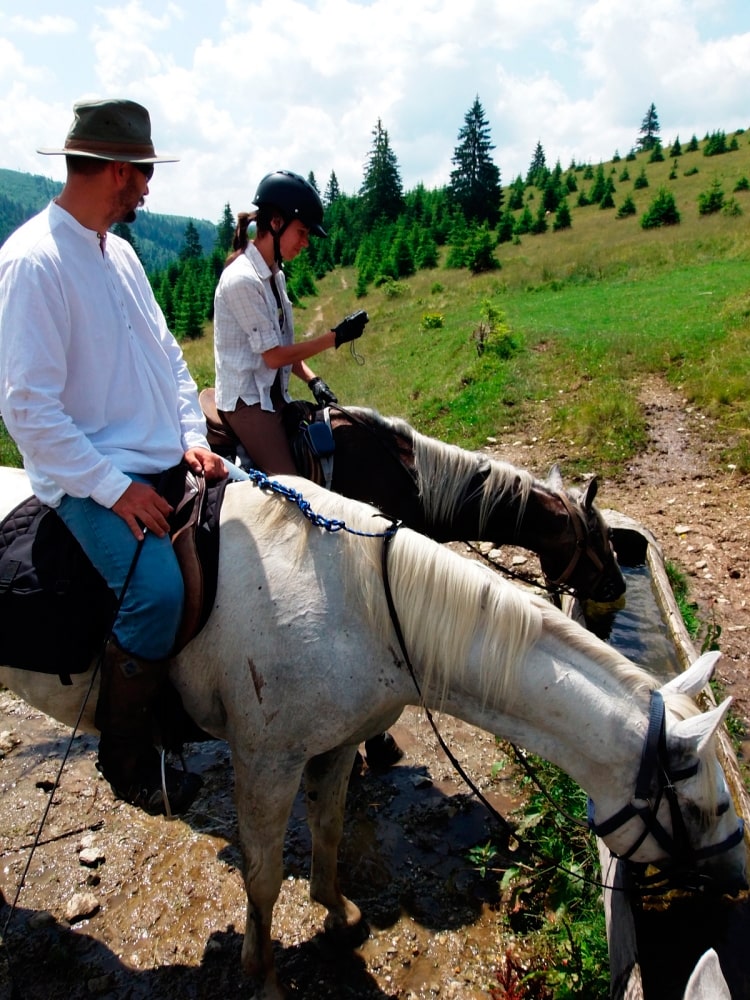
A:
(537, 171)
(225, 231)
(191, 249)
(381, 191)
(650, 129)
(333, 191)
(475, 181)
(123, 229)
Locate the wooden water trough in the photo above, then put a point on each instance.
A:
(656, 943)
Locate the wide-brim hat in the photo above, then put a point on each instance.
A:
(111, 130)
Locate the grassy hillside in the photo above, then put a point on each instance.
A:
(160, 237)
(581, 315)
(578, 318)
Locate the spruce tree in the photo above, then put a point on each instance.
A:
(332, 192)
(537, 172)
(191, 249)
(650, 129)
(381, 191)
(225, 231)
(123, 230)
(475, 181)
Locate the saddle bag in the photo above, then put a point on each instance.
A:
(55, 608)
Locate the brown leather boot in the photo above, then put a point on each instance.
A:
(129, 687)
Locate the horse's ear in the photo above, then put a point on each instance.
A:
(695, 678)
(589, 494)
(707, 979)
(554, 479)
(699, 730)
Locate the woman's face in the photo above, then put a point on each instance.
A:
(295, 238)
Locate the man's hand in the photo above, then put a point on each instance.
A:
(140, 506)
(351, 327)
(323, 395)
(206, 463)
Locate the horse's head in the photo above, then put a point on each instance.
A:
(587, 564)
(679, 827)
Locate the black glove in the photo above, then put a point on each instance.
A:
(351, 327)
(323, 395)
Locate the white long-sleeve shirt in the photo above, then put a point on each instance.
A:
(246, 323)
(93, 383)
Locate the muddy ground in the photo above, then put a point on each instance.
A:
(119, 904)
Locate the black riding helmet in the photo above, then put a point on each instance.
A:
(294, 197)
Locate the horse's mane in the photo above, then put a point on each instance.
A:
(445, 472)
(440, 633)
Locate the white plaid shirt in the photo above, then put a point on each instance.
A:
(246, 323)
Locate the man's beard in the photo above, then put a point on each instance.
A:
(128, 209)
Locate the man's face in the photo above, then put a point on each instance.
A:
(133, 194)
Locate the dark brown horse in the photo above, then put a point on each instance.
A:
(451, 494)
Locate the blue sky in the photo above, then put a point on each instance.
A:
(240, 87)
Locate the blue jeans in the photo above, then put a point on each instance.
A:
(151, 609)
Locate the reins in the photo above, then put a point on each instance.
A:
(653, 772)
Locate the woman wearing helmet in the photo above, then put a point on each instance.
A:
(254, 346)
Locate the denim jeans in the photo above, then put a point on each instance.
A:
(151, 609)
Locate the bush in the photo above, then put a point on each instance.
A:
(731, 208)
(627, 208)
(712, 200)
(661, 212)
(432, 321)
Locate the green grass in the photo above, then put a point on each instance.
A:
(551, 903)
(590, 312)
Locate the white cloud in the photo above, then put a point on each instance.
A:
(240, 87)
(48, 24)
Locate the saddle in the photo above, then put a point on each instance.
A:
(308, 431)
(55, 608)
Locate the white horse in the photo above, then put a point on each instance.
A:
(299, 662)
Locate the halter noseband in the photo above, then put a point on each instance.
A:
(654, 774)
(582, 545)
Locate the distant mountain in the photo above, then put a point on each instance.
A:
(159, 237)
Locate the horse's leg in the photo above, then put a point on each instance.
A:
(264, 797)
(326, 782)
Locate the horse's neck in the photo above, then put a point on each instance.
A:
(575, 704)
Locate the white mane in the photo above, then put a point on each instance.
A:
(444, 472)
(439, 633)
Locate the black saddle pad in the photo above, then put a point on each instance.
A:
(54, 607)
(56, 610)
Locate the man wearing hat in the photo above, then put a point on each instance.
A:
(99, 400)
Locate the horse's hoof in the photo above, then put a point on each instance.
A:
(382, 752)
(357, 765)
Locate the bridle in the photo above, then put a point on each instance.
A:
(654, 782)
(583, 546)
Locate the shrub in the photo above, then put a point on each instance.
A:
(627, 208)
(432, 321)
(661, 212)
(641, 180)
(731, 208)
(712, 200)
